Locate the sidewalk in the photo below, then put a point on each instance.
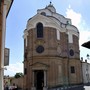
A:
(77, 87)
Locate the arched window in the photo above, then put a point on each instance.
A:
(39, 30)
(43, 13)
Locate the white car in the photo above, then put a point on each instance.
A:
(12, 87)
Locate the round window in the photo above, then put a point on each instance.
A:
(40, 49)
(71, 52)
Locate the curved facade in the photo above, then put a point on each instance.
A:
(51, 51)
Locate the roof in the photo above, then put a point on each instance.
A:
(86, 44)
(9, 4)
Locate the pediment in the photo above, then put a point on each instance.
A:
(39, 18)
(45, 20)
(39, 66)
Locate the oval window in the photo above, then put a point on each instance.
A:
(71, 52)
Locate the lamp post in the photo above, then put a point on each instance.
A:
(88, 56)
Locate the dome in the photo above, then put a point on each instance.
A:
(51, 7)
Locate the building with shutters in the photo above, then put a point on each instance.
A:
(51, 51)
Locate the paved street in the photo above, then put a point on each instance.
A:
(87, 87)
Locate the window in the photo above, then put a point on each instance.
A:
(39, 30)
(40, 49)
(25, 55)
(58, 35)
(43, 13)
(71, 52)
(70, 37)
(25, 42)
(72, 69)
(25, 71)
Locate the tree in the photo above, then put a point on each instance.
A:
(18, 75)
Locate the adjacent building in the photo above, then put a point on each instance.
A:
(5, 6)
(86, 65)
(51, 51)
(86, 72)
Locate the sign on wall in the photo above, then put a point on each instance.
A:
(6, 56)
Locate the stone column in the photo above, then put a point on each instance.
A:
(33, 85)
(33, 78)
(44, 78)
(45, 81)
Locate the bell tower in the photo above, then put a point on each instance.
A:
(51, 51)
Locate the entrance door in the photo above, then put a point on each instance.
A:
(39, 79)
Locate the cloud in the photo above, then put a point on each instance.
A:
(12, 69)
(84, 36)
(84, 30)
(75, 17)
(80, 23)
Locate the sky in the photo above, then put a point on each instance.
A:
(22, 10)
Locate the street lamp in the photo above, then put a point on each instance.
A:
(88, 56)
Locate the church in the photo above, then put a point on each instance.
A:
(51, 51)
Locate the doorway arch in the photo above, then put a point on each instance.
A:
(39, 79)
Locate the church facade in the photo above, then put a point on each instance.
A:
(51, 51)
